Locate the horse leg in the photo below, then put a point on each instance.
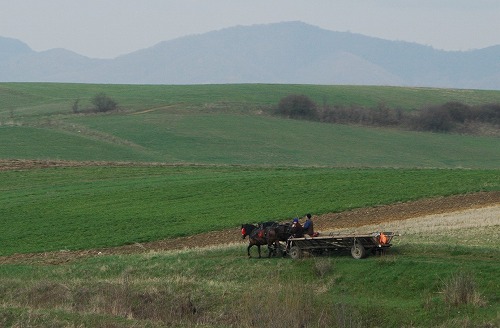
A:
(271, 248)
(277, 249)
(258, 247)
(272, 242)
(276, 246)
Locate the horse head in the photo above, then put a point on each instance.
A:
(246, 229)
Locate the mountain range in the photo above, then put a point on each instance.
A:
(289, 52)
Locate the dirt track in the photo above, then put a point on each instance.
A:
(331, 221)
(27, 164)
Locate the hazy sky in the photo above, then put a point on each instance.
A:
(108, 28)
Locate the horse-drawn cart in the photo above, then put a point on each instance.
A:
(360, 245)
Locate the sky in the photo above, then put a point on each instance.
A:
(109, 28)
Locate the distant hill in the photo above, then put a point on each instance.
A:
(291, 52)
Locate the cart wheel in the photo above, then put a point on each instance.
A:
(358, 251)
(295, 252)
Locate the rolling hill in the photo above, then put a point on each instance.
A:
(226, 124)
(291, 52)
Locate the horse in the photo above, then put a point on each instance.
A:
(259, 236)
(264, 225)
(285, 231)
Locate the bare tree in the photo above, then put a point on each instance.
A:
(75, 107)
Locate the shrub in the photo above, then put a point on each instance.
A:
(458, 112)
(449, 117)
(489, 113)
(297, 106)
(435, 118)
(104, 103)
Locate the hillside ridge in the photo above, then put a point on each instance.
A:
(287, 52)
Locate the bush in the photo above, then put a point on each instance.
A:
(489, 113)
(297, 106)
(449, 117)
(104, 103)
(436, 119)
(458, 112)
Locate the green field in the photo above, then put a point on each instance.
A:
(28, 99)
(247, 140)
(227, 124)
(225, 161)
(80, 208)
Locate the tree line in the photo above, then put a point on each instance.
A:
(452, 117)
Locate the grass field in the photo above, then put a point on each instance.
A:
(242, 139)
(227, 124)
(249, 140)
(221, 287)
(79, 208)
(32, 99)
(232, 139)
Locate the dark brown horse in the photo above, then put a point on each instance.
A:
(258, 236)
(287, 230)
(284, 232)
